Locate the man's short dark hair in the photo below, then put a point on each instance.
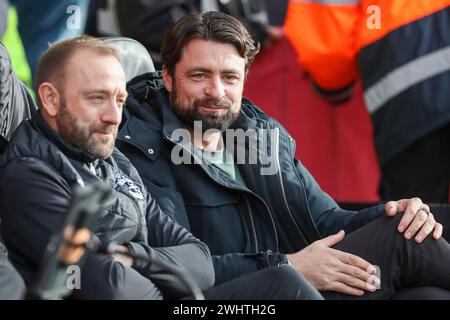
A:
(52, 63)
(209, 26)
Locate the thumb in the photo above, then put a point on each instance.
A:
(333, 239)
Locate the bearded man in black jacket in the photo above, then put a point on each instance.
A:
(223, 168)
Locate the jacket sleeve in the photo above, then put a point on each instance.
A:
(328, 217)
(172, 252)
(33, 202)
(234, 265)
(16, 103)
(323, 35)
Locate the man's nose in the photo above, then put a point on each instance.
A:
(215, 89)
(112, 113)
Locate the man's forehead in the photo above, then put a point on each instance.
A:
(207, 69)
(89, 67)
(199, 53)
(90, 60)
(200, 46)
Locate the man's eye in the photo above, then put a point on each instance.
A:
(231, 77)
(198, 76)
(97, 98)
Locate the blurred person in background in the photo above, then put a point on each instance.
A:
(401, 51)
(43, 22)
(16, 103)
(13, 94)
(3, 17)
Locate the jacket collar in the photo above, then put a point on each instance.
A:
(247, 117)
(68, 149)
(170, 121)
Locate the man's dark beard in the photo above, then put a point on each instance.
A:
(210, 120)
(81, 137)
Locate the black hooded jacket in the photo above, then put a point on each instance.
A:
(281, 209)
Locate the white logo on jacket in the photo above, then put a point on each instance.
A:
(125, 182)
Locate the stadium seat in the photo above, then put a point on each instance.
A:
(134, 56)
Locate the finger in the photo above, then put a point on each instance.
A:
(356, 272)
(355, 261)
(356, 283)
(424, 205)
(333, 239)
(402, 204)
(438, 228)
(391, 208)
(413, 205)
(426, 228)
(343, 288)
(419, 220)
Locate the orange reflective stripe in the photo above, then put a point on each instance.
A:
(395, 14)
(323, 36)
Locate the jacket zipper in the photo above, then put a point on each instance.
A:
(250, 213)
(92, 169)
(283, 193)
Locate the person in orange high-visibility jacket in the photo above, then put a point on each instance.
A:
(401, 51)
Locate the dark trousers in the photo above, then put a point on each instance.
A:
(422, 170)
(408, 270)
(276, 283)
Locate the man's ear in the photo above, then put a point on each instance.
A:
(167, 79)
(50, 99)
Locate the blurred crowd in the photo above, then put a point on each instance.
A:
(143, 20)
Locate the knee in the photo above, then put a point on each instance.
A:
(395, 220)
(387, 223)
(388, 229)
